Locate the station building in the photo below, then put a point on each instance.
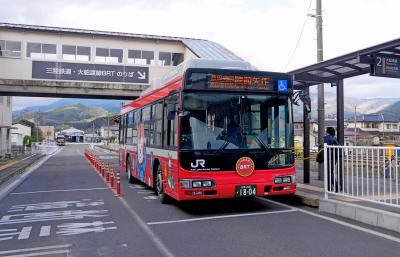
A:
(5, 125)
(67, 62)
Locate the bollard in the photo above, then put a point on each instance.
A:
(108, 173)
(118, 193)
(102, 169)
(112, 178)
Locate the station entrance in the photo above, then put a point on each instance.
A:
(382, 60)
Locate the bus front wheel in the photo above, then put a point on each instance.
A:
(160, 187)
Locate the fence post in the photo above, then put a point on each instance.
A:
(325, 171)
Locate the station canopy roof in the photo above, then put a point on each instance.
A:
(342, 67)
(202, 48)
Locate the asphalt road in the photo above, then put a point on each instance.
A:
(65, 209)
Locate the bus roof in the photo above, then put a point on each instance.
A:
(172, 78)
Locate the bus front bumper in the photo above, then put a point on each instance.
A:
(227, 186)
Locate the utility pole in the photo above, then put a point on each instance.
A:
(321, 93)
(108, 127)
(355, 125)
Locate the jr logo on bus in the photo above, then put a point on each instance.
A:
(244, 167)
(199, 162)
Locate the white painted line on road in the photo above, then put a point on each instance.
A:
(25, 233)
(30, 156)
(150, 234)
(36, 249)
(45, 231)
(219, 217)
(346, 224)
(39, 253)
(65, 190)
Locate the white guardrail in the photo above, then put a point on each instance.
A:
(363, 172)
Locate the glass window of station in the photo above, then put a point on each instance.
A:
(76, 53)
(141, 57)
(10, 48)
(109, 55)
(169, 59)
(41, 51)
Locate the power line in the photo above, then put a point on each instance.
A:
(301, 34)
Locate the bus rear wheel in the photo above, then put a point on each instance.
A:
(160, 187)
(128, 170)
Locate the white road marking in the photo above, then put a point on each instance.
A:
(137, 187)
(370, 231)
(55, 205)
(50, 216)
(7, 234)
(219, 217)
(146, 229)
(66, 190)
(38, 253)
(144, 192)
(150, 197)
(45, 231)
(81, 228)
(36, 249)
(25, 233)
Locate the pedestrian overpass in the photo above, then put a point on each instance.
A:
(64, 62)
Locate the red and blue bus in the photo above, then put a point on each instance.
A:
(211, 129)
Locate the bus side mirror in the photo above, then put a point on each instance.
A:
(171, 111)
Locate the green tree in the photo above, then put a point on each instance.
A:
(27, 141)
(36, 134)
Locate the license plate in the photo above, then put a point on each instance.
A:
(246, 191)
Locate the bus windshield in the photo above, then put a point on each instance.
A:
(216, 121)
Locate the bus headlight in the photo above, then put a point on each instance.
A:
(190, 183)
(278, 180)
(196, 184)
(207, 183)
(186, 183)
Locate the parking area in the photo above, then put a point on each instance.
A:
(64, 208)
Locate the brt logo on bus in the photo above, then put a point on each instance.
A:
(245, 167)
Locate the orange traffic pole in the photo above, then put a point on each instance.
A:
(108, 173)
(112, 178)
(118, 194)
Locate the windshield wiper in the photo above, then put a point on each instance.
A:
(262, 144)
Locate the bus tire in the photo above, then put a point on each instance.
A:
(160, 187)
(128, 170)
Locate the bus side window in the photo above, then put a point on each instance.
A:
(170, 132)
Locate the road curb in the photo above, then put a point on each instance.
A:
(308, 199)
(18, 179)
(363, 214)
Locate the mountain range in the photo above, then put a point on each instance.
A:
(78, 113)
(363, 106)
(86, 113)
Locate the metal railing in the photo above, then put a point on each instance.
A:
(363, 172)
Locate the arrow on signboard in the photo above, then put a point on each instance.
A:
(142, 75)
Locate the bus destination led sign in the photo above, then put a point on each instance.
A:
(222, 81)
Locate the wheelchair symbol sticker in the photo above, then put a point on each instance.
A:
(282, 86)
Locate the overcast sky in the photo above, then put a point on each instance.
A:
(264, 32)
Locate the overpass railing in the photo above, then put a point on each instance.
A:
(363, 173)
